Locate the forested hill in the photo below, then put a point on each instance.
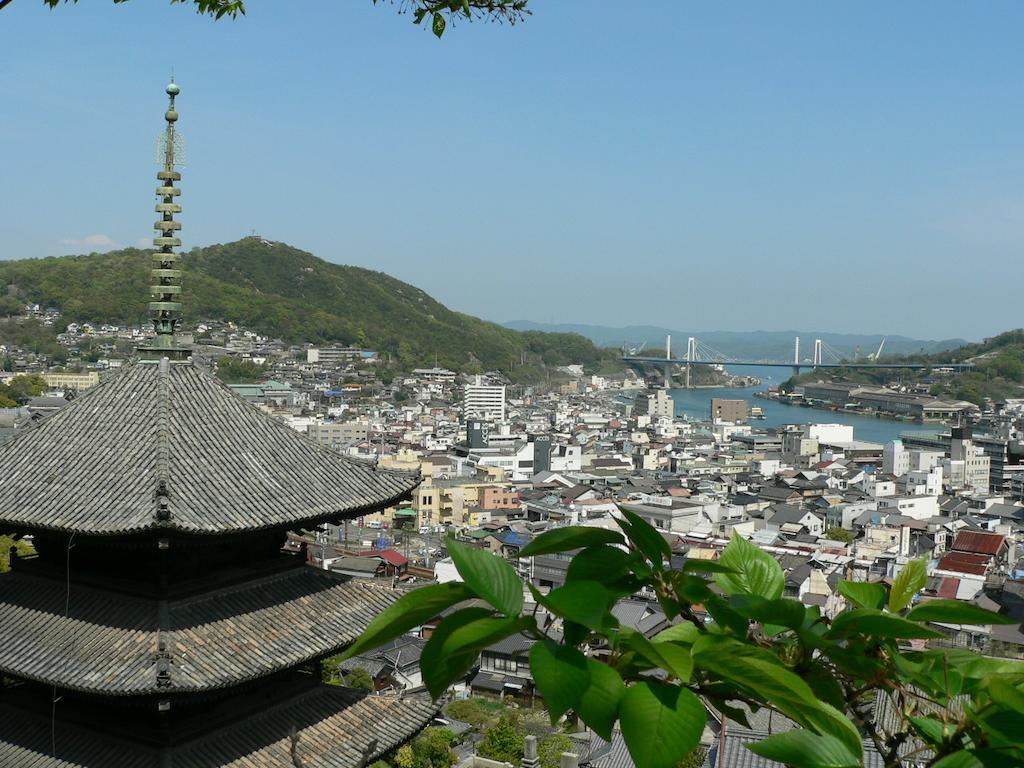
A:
(998, 371)
(287, 293)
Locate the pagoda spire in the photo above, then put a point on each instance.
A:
(165, 288)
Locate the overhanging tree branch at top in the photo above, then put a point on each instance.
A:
(440, 12)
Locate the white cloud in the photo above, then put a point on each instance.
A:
(98, 242)
(144, 242)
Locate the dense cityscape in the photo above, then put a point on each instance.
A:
(260, 508)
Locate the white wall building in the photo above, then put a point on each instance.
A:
(483, 401)
(830, 433)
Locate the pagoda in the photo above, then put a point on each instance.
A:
(160, 623)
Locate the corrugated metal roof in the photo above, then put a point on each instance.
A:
(979, 541)
(965, 562)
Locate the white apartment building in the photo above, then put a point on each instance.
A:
(655, 404)
(968, 465)
(483, 401)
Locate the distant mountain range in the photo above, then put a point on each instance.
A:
(769, 346)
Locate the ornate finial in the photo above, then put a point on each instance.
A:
(165, 290)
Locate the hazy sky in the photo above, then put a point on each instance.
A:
(764, 165)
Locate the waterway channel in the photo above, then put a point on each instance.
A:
(696, 403)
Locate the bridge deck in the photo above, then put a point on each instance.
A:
(911, 366)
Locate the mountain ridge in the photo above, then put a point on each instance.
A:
(285, 292)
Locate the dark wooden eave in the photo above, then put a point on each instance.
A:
(170, 448)
(334, 727)
(118, 645)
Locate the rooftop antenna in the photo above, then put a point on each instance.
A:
(165, 288)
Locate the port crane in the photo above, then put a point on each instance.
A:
(878, 353)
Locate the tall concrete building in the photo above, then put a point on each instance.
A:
(483, 401)
(656, 403)
(734, 411)
(970, 460)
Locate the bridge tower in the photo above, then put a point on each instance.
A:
(817, 353)
(796, 356)
(668, 362)
(691, 354)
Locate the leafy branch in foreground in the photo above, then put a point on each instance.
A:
(736, 646)
(215, 8)
(440, 12)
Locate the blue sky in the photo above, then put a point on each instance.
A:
(843, 167)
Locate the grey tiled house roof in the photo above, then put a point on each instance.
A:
(171, 448)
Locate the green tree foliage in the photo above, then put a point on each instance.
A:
(433, 749)
(998, 371)
(22, 547)
(550, 749)
(20, 390)
(839, 534)
(232, 370)
(286, 293)
(471, 711)
(759, 650)
(694, 759)
(502, 741)
(330, 670)
(33, 336)
(360, 679)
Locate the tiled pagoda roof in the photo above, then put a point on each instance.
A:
(174, 437)
(334, 727)
(220, 639)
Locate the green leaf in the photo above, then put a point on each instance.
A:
(466, 10)
(706, 566)
(825, 686)
(570, 538)
(438, 25)
(785, 612)
(763, 676)
(671, 657)
(889, 626)
(603, 563)
(690, 589)
(661, 724)
(489, 576)
(561, 675)
(644, 537)
(908, 582)
(863, 594)
(410, 610)
(961, 759)
(755, 571)
(955, 612)
(803, 749)
(1002, 692)
(683, 632)
(725, 617)
(599, 703)
(931, 730)
(585, 602)
(441, 666)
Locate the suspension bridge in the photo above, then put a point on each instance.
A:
(823, 356)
